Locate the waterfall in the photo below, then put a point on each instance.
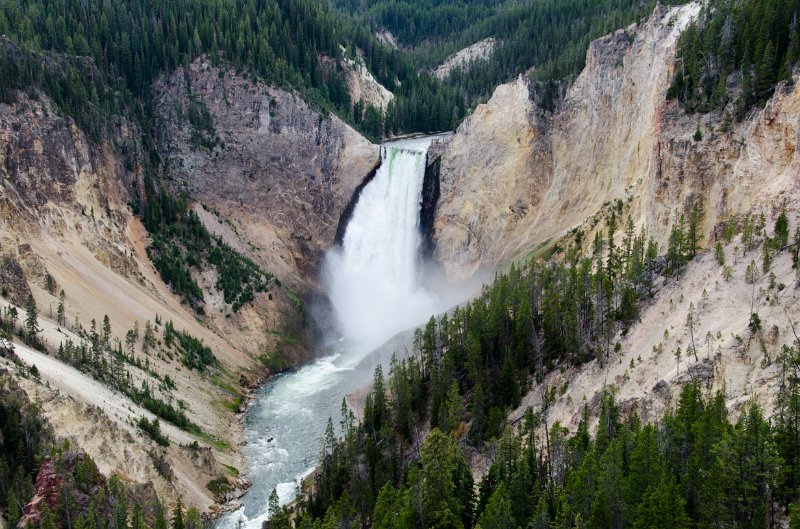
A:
(375, 283)
(373, 279)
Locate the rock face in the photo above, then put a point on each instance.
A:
(46, 490)
(281, 169)
(362, 86)
(480, 51)
(59, 184)
(516, 177)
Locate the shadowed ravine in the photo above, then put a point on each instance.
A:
(374, 281)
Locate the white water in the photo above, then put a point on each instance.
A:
(374, 284)
(373, 281)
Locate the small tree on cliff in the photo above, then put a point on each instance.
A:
(31, 320)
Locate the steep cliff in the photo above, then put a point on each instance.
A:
(518, 180)
(270, 177)
(284, 171)
(516, 177)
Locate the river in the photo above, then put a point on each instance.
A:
(374, 282)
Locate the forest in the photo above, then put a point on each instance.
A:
(280, 41)
(546, 38)
(470, 367)
(736, 52)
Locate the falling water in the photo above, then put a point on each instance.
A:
(373, 280)
(374, 283)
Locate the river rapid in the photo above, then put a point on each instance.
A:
(374, 282)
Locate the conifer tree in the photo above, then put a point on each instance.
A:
(31, 321)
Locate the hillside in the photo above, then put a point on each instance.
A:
(644, 320)
(70, 238)
(167, 199)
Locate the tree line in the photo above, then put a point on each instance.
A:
(736, 53)
(693, 468)
(548, 37)
(284, 42)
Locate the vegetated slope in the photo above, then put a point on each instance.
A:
(64, 484)
(599, 330)
(706, 369)
(548, 37)
(736, 52)
(515, 176)
(72, 246)
(297, 44)
(177, 320)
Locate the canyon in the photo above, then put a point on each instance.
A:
(274, 176)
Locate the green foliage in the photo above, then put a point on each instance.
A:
(693, 469)
(285, 42)
(498, 513)
(76, 86)
(736, 49)
(24, 439)
(153, 430)
(719, 253)
(108, 366)
(468, 368)
(180, 243)
(31, 321)
(549, 36)
(196, 355)
(684, 241)
(85, 499)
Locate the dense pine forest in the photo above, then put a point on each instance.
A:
(282, 42)
(548, 37)
(694, 468)
(736, 52)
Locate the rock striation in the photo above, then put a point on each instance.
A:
(517, 177)
(284, 171)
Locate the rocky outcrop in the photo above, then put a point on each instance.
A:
(281, 169)
(362, 86)
(45, 492)
(14, 284)
(60, 184)
(480, 51)
(516, 177)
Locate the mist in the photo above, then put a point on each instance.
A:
(376, 281)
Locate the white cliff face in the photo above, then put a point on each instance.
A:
(362, 86)
(515, 177)
(480, 51)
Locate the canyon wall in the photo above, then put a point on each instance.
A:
(516, 177)
(282, 171)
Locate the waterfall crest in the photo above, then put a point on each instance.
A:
(373, 279)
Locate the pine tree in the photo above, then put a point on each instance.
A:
(177, 516)
(61, 316)
(693, 235)
(691, 324)
(497, 514)
(781, 232)
(161, 518)
(662, 508)
(13, 512)
(31, 321)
